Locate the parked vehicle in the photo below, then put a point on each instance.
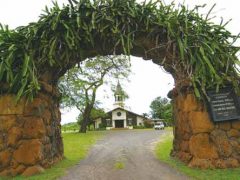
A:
(158, 126)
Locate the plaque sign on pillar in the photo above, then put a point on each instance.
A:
(224, 105)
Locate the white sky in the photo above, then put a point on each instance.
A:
(148, 80)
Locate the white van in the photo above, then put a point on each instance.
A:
(158, 125)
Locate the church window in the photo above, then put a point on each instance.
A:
(130, 121)
(108, 122)
(119, 113)
(119, 98)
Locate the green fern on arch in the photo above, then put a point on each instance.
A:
(201, 51)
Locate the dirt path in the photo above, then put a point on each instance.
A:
(128, 148)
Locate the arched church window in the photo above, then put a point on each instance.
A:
(119, 98)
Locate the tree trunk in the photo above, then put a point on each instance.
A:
(83, 128)
(88, 109)
(86, 116)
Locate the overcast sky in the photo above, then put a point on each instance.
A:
(148, 81)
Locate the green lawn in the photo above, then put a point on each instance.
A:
(70, 127)
(163, 149)
(76, 147)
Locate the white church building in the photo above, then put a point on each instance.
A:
(119, 117)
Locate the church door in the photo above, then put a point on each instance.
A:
(119, 124)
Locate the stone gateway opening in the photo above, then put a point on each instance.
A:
(198, 54)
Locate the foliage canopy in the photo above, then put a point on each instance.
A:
(161, 108)
(200, 51)
(80, 85)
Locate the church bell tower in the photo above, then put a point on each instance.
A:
(119, 95)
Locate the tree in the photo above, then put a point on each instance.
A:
(161, 108)
(96, 112)
(80, 84)
(146, 115)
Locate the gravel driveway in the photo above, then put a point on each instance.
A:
(132, 149)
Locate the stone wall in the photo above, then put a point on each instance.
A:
(30, 135)
(198, 141)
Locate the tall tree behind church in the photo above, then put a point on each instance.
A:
(161, 108)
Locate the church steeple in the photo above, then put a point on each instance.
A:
(119, 95)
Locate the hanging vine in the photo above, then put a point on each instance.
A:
(204, 50)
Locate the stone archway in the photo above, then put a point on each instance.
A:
(30, 132)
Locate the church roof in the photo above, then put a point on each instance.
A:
(119, 90)
(120, 108)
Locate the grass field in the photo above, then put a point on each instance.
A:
(76, 147)
(73, 126)
(163, 150)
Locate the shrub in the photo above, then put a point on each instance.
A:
(138, 127)
(101, 127)
(148, 124)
